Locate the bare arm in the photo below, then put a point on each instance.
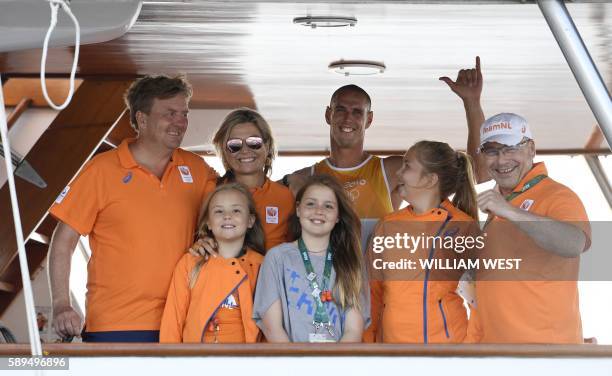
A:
(297, 179)
(66, 321)
(273, 324)
(353, 327)
(468, 86)
(392, 164)
(563, 239)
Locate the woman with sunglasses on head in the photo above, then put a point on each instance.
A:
(245, 144)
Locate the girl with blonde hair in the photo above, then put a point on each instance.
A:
(211, 299)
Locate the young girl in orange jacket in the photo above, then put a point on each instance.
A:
(419, 304)
(211, 299)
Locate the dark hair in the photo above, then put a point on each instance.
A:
(240, 116)
(254, 237)
(349, 88)
(454, 170)
(140, 95)
(344, 241)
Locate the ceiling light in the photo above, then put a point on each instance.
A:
(325, 21)
(357, 67)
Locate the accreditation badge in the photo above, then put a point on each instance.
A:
(272, 214)
(318, 338)
(185, 174)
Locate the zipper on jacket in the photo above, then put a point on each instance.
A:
(219, 306)
(426, 281)
(443, 318)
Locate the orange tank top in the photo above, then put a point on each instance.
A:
(366, 185)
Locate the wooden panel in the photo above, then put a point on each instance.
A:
(20, 108)
(59, 153)
(18, 88)
(12, 274)
(47, 226)
(319, 349)
(122, 130)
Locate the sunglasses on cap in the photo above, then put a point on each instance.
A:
(234, 145)
(493, 152)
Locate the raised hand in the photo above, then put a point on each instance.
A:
(468, 85)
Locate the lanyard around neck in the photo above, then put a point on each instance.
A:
(530, 184)
(321, 316)
(527, 186)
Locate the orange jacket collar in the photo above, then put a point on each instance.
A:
(439, 213)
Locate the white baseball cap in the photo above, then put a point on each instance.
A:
(505, 128)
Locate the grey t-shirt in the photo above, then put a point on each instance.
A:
(283, 277)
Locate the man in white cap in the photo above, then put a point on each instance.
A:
(532, 218)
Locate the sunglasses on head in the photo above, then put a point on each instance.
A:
(234, 145)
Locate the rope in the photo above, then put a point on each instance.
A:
(55, 4)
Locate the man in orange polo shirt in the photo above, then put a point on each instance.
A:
(139, 205)
(539, 221)
(532, 218)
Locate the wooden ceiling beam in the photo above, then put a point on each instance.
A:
(20, 108)
(18, 88)
(7, 287)
(59, 153)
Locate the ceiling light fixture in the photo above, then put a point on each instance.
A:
(325, 21)
(357, 67)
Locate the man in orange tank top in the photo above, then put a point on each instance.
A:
(370, 181)
(531, 217)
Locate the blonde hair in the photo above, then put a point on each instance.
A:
(454, 170)
(254, 237)
(240, 116)
(345, 242)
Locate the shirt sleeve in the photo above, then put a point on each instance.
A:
(269, 285)
(568, 208)
(210, 180)
(79, 203)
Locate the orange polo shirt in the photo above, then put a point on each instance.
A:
(189, 311)
(419, 306)
(275, 205)
(138, 226)
(540, 305)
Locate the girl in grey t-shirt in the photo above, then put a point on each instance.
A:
(314, 289)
